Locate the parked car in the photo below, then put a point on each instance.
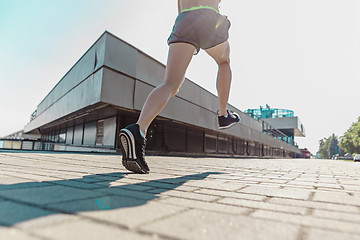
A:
(357, 158)
(347, 156)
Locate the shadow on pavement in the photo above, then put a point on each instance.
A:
(26, 201)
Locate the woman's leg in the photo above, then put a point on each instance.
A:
(221, 54)
(180, 55)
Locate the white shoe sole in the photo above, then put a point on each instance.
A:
(228, 126)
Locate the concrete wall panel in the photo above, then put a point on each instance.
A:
(148, 70)
(209, 100)
(142, 90)
(199, 96)
(120, 56)
(184, 111)
(206, 119)
(117, 89)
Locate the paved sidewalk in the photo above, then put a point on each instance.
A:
(84, 196)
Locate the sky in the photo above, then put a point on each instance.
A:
(302, 55)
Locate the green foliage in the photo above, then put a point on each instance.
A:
(324, 143)
(333, 146)
(350, 142)
(329, 147)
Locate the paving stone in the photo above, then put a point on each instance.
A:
(302, 183)
(263, 205)
(23, 185)
(89, 179)
(97, 204)
(331, 186)
(352, 187)
(148, 177)
(120, 191)
(135, 216)
(129, 181)
(292, 186)
(309, 221)
(337, 197)
(76, 184)
(253, 180)
(33, 177)
(277, 192)
(348, 217)
(130, 186)
(156, 184)
(231, 194)
(212, 184)
(350, 181)
(6, 180)
(274, 181)
(15, 234)
(190, 195)
(316, 234)
(12, 213)
(214, 207)
(87, 230)
(314, 205)
(46, 220)
(324, 189)
(46, 195)
(197, 224)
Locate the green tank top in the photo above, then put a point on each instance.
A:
(199, 7)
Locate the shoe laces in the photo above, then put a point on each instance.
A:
(143, 146)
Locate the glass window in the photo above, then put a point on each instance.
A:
(78, 134)
(69, 135)
(109, 132)
(89, 134)
(62, 136)
(100, 132)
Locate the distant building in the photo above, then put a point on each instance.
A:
(20, 135)
(105, 91)
(16, 135)
(281, 121)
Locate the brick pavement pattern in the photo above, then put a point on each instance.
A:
(91, 196)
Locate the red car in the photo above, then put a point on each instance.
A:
(305, 153)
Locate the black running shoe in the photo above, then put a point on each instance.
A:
(132, 145)
(231, 119)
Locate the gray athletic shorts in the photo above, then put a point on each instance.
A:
(202, 28)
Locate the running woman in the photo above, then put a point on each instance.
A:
(199, 25)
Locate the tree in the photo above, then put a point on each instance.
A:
(329, 147)
(333, 146)
(350, 142)
(324, 143)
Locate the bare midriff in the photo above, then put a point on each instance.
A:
(188, 4)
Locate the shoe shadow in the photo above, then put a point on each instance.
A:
(26, 201)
